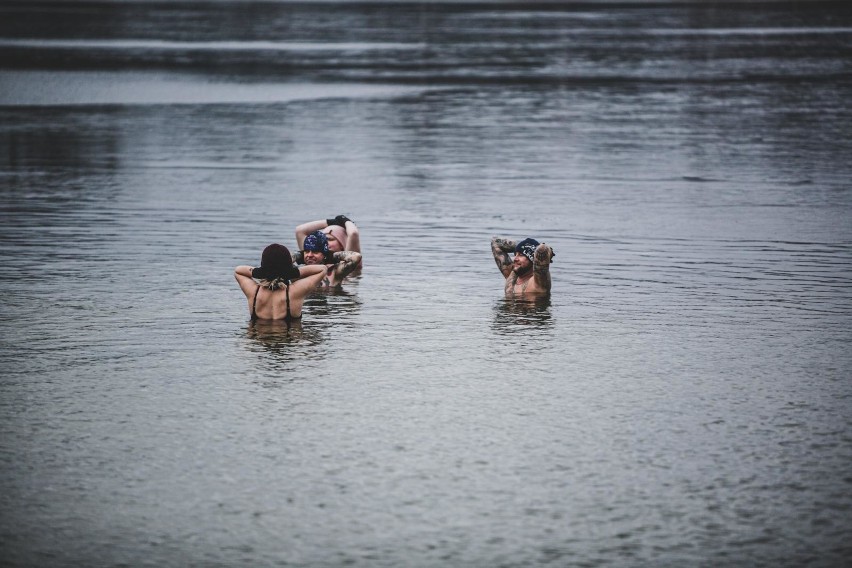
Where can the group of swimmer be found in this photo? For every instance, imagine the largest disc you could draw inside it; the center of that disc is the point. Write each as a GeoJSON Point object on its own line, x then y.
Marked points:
{"type": "Point", "coordinates": [330, 250]}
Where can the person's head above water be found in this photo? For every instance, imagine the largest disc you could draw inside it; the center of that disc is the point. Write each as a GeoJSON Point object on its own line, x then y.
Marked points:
{"type": "Point", "coordinates": [336, 236]}
{"type": "Point", "coordinates": [276, 263]}
{"type": "Point", "coordinates": [316, 249]}
{"type": "Point", "coordinates": [529, 271]}
{"type": "Point", "coordinates": [282, 288]}
{"type": "Point", "coordinates": [524, 255]}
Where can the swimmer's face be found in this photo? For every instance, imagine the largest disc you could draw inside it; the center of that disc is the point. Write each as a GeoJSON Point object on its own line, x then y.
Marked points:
{"type": "Point", "coordinates": [521, 264]}
{"type": "Point", "coordinates": [333, 244]}
{"type": "Point", "coordinates": [314, 257]}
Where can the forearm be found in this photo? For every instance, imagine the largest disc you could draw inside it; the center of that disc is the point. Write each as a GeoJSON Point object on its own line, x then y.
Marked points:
{"type": "Point", "coordinates": [346, 263]}
{"type": "Point", "coordinates": [353, 237]}
{"type": "Point", "coordinates": [311, 269]}
{"type": "Point", "coordinates": [501, 255]}
{"type": "Point", "coordinates": [541, 274]}
{"type": "Point", "coordinates": [243, 270]}
{"type": "Point", "coordinates": [541, 265]}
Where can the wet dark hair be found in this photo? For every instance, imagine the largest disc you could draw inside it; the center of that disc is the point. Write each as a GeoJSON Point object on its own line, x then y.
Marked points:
{"type": "Point", "coordinates": [276, 263]}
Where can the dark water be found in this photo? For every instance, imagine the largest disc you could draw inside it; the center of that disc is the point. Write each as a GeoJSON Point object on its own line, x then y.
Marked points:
{"type": "Point", "coordinates": [683, 398]}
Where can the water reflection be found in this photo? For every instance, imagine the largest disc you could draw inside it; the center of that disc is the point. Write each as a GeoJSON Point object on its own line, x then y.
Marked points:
{"type": "Point", "coordinates": [297, 342]}
{"type": "Point", "coordinates": [331, 302]}
{"type": "Point", "coordinates": [286, 341]}
{"type": "Point", "coordinates": [513, 315]}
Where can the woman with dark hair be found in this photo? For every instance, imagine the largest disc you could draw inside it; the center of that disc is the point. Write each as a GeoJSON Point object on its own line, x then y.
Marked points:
{"type": "Point", "coordinates": [282, 288]}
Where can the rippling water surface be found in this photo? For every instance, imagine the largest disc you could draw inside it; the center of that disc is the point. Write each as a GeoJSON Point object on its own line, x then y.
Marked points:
{"type": "Point", "coordinates": [682, 398]}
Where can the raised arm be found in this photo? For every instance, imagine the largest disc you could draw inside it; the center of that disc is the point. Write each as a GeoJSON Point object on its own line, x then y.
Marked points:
{"type": "Point", "coordinates": [243, 275]}
{"type": "Point", "coordinates": [501, 248]}
{"type": "Point", "coordinates": [543, 256]}
{"type": "Point", "coordinates": [353, 236]}
{"type": "Point", "coordinates": [310, 277]}
{"type": "Point", "coordinates": [306, 229]}
{"type": "Point", "coordinates": [345, 263]}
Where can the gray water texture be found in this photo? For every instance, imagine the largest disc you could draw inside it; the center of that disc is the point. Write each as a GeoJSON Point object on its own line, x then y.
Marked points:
{"type": "Point", "coordinates": [681, 399]}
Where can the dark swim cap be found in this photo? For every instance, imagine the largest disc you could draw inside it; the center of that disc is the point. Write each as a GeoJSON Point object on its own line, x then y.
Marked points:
{"type": "Point", "coordinates": [527, 248]}
{"type": "Point", "coordinates": [316, 242]}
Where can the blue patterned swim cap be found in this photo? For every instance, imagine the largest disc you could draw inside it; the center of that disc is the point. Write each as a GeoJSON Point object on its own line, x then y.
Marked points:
{"type": "Point", "coordinates": [316, 242]}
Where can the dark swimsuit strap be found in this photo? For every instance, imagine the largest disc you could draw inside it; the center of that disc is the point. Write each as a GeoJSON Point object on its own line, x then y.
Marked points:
{"type": "Point", "coordinates": [286, 292]}
{"type": "Point", "coordinates": [254, 303]}
{"type": "Point", "coordinates": [289, 316]}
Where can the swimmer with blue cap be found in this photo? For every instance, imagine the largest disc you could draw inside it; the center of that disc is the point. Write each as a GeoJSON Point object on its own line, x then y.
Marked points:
{"type": "Point", "coordinates": [315, 249]}
{"type": "Point", "coordinates": [529, 271]}
{"type": "Point", "coordinates": [333, 242]}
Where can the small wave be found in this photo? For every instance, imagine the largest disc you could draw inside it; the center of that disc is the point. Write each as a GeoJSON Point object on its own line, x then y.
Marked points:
{"type": "Point", "coordinates": [699, 179]}
{"type": "Point", "coordinates": [746, 31]}
{"type": "Point", "coordinates": [179, 165]}
{"type": "Point", "coordinates": [162, 45]}
{"type": "Point", "coordinates": [121, 88]}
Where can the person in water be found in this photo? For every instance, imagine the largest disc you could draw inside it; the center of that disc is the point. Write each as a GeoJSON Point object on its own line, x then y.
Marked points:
{"type": "Point", "coordinates": [339, 265]}
{"type": "Point", "coordinates": [282, 288]}
{"type": "Point", "coordinates": [342, 233]}
{"type": "Point", "coordinates": [529, 271]}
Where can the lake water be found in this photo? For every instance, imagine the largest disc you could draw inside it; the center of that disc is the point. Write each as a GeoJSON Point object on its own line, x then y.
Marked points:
{"type": "Point", "coordinates": [682, 399]}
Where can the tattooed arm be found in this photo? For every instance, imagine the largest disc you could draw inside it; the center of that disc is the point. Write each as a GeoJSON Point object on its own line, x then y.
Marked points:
{"type": "Point", "coordinates": [541, 266]}
{"type": "Point", "coordinates": [501, 248]}
{"type": "Point", "coordinates": [345, 262]}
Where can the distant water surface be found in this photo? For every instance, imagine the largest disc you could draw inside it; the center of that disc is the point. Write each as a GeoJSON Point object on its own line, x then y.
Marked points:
{"type": "Point", "coordinates": [682, 399]}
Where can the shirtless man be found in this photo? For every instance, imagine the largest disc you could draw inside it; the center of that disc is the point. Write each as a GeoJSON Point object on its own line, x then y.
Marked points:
{"type": "Point", "coordinates": [339, 265]}
{"type": "Point", "coordinates": [529, 271]}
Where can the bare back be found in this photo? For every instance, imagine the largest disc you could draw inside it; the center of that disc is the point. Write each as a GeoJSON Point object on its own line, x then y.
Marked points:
{"type": "Point", "coordinates": [274, 304]}
{"type": "Point", "coordinates": [267, 304]}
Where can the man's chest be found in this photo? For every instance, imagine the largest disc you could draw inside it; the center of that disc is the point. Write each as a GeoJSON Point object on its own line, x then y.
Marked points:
{"type": "Point", "coordinates": [516, 285]}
